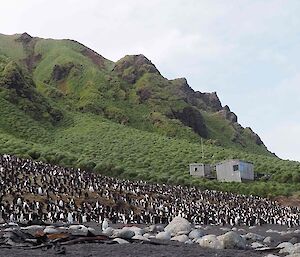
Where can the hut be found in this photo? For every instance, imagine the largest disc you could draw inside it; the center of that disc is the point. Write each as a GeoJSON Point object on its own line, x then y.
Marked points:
{"type": "Point", "coordinates": [200, 170]}
{"type": "Point", "coordinates": [235, 171]}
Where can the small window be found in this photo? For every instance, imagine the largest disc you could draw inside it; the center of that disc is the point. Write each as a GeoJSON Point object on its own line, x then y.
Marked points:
{"type": "Point", "coordinates": [195, 169]}
{"type": "Point", "coordinates": [235, 167]}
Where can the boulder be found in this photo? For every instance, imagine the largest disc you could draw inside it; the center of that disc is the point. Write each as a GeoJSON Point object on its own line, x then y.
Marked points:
{"type": "Point", "coordinates": [78, 230]}
{"type": "Point", "coordinates": [32, 230]}
{"type": "Point", "coordinates": [257, 245]}
{"type": "Point", "coordinates": [196, 233]}
{"type": "Point", "coordinates": [210, 241]}
{"type": "Point", "coordinates": [189, 242]}
{"type": "Point", "coordinates": [136, 230]}
{"type": "Point", "coordinates": [63, 229]}
{"type": "Point", "coordinates": [180, 238]}
{"type": "Point", "coordinates": [163, 235]}
{"type": "Point", "coordinates": [272, 231]}
{"type": "Point", "coordinates": [284, 245]}
{"type": "Point", "coordinates": [268, 240]}
{"type": "Point", "coordinates": [225, 229]}
{"type": "Point", "coordinates": [254, 237]}
{"type": "Point", "coordinates": [2, 221]}
{"type": "Point", "coordinates": [140, 237]}
{"type": "Point", "coordinates": [287, 247]}
{"type": "Point", "coordinates": [123, 233]}
{"type": "Point", "coordinates": [120, 241]}
{"type": "Point", "coordinates": [51, 230]}
{"type": "Point", "coordinates": [178, 224]}
{"type": "Point", "coordinates": [108, 231]}
{"type": "Point", "coordinates": [295, 249]}
{"type": "Point", "coordinates": [149, 235]}
{"type": "Point", "coordinates": [232, 240]}
{"type": "Point", "coordinates": [293, 240]}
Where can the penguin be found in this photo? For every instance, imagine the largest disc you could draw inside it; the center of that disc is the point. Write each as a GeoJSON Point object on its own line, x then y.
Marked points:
{"type": "Point", "coordinates": [105, 224]}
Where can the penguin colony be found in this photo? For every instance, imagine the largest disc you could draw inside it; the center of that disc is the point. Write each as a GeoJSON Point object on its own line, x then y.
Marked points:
{"type": "Point", "coordinates": [32, 192]}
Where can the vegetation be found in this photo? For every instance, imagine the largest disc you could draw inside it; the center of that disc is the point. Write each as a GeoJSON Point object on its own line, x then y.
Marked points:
{"type": "Point", "coordinates": [73, 107]}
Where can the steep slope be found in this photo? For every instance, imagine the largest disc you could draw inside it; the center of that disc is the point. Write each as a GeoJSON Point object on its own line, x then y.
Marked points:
{"type": "Point", "coordinates": [63, 103]}
{"type": "Point", "coordinates": [131, 91]}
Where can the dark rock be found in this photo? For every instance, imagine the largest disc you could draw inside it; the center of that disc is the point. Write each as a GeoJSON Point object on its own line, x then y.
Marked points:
{"type": "Point", "coordinates": [144, 94]}
{"type": "Point", "coordinates": [25, 38]}
{"type": "Point", "coordinates": [132, 67]}
{"type": "Point", "coordinates": [96, 58]}
{"type": "Point", "coordinates": [211, 99]}
{"type": "Point", "coordinates": [191, 117]}
{"type": "Point", "coordinates": [61, 72]}
{"type": "Point", "coordinates": [227, 114]}
{"type": "Point", "coordinates": [204, 101]}
{"type": "Point", "coordinates": [254, 136]}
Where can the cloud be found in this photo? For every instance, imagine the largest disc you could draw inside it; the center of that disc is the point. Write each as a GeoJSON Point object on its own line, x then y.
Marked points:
{"type": "Point", "coordinates": [284, 139]}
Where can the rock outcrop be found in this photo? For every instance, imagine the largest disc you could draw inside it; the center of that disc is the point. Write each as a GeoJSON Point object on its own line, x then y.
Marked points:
{"type": "Point", "coordinates": [131, 67]}
{"type": "Point", "coordinates": [192, 118]}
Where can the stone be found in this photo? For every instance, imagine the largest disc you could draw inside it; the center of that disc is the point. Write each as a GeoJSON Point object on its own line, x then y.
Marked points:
{"type": "Point", "coordinates": [196, 233]}
{"type": "Point", "coordinates": [272, 231]}
{"type": "Point", "coordinates": [268, 240]}
{"type": "Point", "coordinates": [271, 255]}
{"type": "Point", "coordinates": [182, 233]}
{"type": "Point", "coordinates": [293, 240]}
{"type": "Point", "coordinates": [293, 255]}
{"type": "Point", "coordinates": [149, 235]}
{"type": "Point", "coordinates": [225, 229]}
{"type": "Point", "coordinates": [140, 237]}
{"type": "Point", "coordinates": [189, 242]}
{"type": "Point", "coordinates": [295, 249]}
{"type": "Point", "coordinates": [180, 238]}
{"type": "Point", "coordinates": [257, 245]}
{"type": "Point", "coordinates": [108, 231]}
{"type": "Point", "coordinates": [210, 241]}
{"type": "Point", "coordinates": [33, 229]}
{"type": "Point", "coordinates": [2, 221]}
{"type": "Point", "coordinates": [287, 247]}
{"type": "Point", "coordinates": [284, 245]}
{"type": "Point", "coordinates": [151, 228]}
{"type": "Point", "coordinates": [50, 230]}
{"type": "Point", "coordinates": [254, 237]}
{"type": "Point", "coordinates": [120, 241]}
{"type": "Point", "coordinates": [78, 230]}
{"type": "Point", "coordinates": [163, 235]}
{"type": "Point", "coordinates": [123, 233]}
{"type": "Point", "coordinates": [178, 224]}
{"type": "Point", "coordinates": [232, 240]}
{"type": "Point", "coordinates": [136, 230]}
{"type": "Point", "coordinates": [63, 229]}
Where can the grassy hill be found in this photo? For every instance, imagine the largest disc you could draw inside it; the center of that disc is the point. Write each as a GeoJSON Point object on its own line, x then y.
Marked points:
{"type": "Point", "coordinates": [63, 103]}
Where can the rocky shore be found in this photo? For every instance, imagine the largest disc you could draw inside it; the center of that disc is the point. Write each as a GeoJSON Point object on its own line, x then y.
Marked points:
{"type": "Point", "coordinates": [178, 238]}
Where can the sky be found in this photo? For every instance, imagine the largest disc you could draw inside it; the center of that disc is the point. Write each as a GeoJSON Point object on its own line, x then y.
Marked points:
{"type": "Point", "coordinates": [248, 51]}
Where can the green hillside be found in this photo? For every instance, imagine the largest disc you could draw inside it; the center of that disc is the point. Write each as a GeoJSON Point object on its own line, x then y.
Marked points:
{"type": "Point", "coordinates": [63, 103]}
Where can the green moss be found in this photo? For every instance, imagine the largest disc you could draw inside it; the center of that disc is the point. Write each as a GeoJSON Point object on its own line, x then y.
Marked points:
{"type": "Point", "coordinates": [117, 128]}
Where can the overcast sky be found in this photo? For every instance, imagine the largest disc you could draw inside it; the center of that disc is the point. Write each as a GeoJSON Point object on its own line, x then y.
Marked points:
{"type": "Point", "coordinates": [245, 50]}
